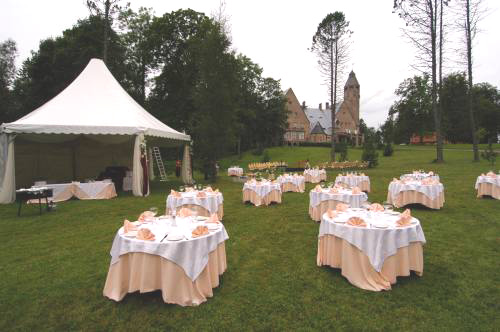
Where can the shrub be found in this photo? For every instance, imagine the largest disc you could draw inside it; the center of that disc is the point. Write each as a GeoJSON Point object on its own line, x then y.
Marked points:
{"type": "Point", "coordinates": [489, 154]}
{"type": "Point", "coordinates": [342, 148]}
{"type": "Point", "coordinates": [388, 150]}
{"type": "Point", "coordinates": [370, 155]}
{"type": "Point", "coordinates": [265, 157]}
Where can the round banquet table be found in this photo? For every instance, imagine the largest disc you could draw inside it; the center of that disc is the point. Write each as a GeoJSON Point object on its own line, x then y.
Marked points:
{"type": "Point", "coordinates": [295, 183]}
{"type": "Point", "coordinates": [235, 171]}
{"type": "Point", "coordinates": [420, 176]}
{"type": "Point", "coordinates": [185, 270]}
{"type": "Point", "coordinates": [360, 181]}
{"type": "Point", "coordinates": [370, 257]}
{"type": "Point", "coordinates": [261, 192]}
{"type": "Point", "coordinates": [314, 175]}
{"type": "Point", "coordinates": [401, 193]}
{"type": "Point", "coordinates": [488, 186]}
{"type": "Point", "coordinates": [205, 206]}
{"type": "Point", "coordinates": [321, 201]}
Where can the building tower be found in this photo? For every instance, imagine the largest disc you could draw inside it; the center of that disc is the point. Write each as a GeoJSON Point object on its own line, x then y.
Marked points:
{"type": "Point", "coordinates": [351, 97]}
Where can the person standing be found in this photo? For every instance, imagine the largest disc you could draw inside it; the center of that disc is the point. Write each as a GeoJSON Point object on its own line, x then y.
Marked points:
{"type": "Point", "coordinates": [178, 165]}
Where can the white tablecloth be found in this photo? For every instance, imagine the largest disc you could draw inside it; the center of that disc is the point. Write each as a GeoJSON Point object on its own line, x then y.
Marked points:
{"type": "Point", "coordinates": [296, 180]}
{"type": "Point", "coordinates": [190, 254]}
{"type": "Point", "coordinates": [211, 202]}
{"type": "Point", "coordinates": [376, 243]}
{"type": "Point", "coordinates": [420, 176]}
{"type": "Point", "coordinates": [344, 195]}
{"type": "Point", "coordinates": [352, 181]}
{"type": "Point", "coordinates": [313, 172]}
{"type": "Point", "coordinates": [127, 183]}
{"type": "Point", "coordinates": [487, 179]}
{"type": "Point", "coordinates": [238, 171]}
{"type": "Point", "coordinates": [262, 188]}
{"type": "Point", "coordinates": [432, 191]}
{"type": "Point", "coordinates": [92, 189]}
{"type": "Point", "coordinates": [64, 191]}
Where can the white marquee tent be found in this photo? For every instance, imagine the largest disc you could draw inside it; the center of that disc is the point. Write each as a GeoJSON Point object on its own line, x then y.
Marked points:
{"type": "Point", "coordinates": [91, 124]}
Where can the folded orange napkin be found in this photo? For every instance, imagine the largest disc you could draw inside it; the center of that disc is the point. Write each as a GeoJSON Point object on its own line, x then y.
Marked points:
{"type": "Point", "coordinates": [334, 190]}
{"type": "Point", "coordinates": [199, 231]}
{"type": "Point", "coordinates": [184, 212]}
{"type": "Point", "coordinates": [482, 174]}
{"type": "Point", "coordinates": [362, 174]}
{"type": "Point", "coordinates": [189, 189]}
{"type": "Point", "coordinates": [376, 207]}
{"type": "Point", "coordinates": [356, 221]}
{"type": "Point", "coordinates": [356, 191]}
{"type": "Point", "coordinates": [331, 213]}
{"type": "Point", "coordinates": [491, 174]}
{"type": "Point", "coordinates": [145, 234]}
{"type": "Point", "coordinates": [431, 173]}
{"type": "Point", "coordinates": [341, 207]}
{"type": "Point", "coordinates": [128, 226]}
{"type": "Point", "coordinates": [213, 219]}
{"type": "Point", "coordinates": [209, 189]}
{"type": "Point", "coordinates": [318, 188]}
{"type": "Point", "coordinates": [145, 216]}
{"type": "Point", "coordinates": [404, 219]}
{"type": "Point", "coordinates": [201, 194]}
{"type": "Point", "coordinates": [216, 190]}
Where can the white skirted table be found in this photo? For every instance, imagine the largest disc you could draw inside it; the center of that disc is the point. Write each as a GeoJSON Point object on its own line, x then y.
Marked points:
{"type": "Point", "coordinates": [322, 200]}
{"type": "Point", "coordinates": [361, 181]}
{"type": "Point", "coordinates": [261, 192]}
{"type": "Point", "coordinates": [403, 192]}
{"type": "Point", "coordinates": [183, 267]}
{"type": "Point", "coordinates": [314, 175]}
{"type": "Point", "coordinates": [488, 185]}
{"type": "Point", "coordinates": [235, 171]}
{"type": "Point", "coordinates": [91, 190]}
{"type": "Point", "coordinates": [371, 257]}
{"type": "Point", "coordinates": [204, 202]}
{"type": "Point", "coordinates": [295, 183]}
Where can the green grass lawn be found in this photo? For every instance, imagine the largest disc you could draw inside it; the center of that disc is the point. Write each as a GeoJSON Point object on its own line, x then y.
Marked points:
{"type": "Point", "coordinates": [53, 267]}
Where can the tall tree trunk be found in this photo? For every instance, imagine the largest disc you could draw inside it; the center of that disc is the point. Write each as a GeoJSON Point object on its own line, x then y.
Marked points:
{"type": "Point", "coordinates": [440, 105]}
{"type": "Point", "coordinates": [239, 147]}
{"type": "Point", "coordinates": [333, 94]}
{"type": "Point", "coordinates": [435, 110]}
{"type": "Point", "coordinates": [468, 32]}
{"type": "Point", "coordinates": [107, 6]}
{"type": "Point", "coordinates": [143, 82]}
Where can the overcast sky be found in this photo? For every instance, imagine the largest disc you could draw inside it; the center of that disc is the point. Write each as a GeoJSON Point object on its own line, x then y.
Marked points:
{"type": "Point", "coordinates": [277, 34]}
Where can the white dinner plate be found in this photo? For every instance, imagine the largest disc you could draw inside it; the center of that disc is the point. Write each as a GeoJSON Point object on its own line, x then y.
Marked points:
{"type": "Point", "coordinates": [339, 221]}
{"type": "Point", "coordinates": [212, 226]}
{"type": "Point", "coordinates": [201, 218]}
{"type": "Point", "coordinates": [130, 234]}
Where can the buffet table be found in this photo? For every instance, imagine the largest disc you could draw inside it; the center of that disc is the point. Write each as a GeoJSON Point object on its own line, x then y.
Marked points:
{"type": "Point", "coordinates": [294, 183]}
{"type": "Point", "coordinates": [427, 193]}
{"type": "Point", "coordinates": [204, 202]}
{"type": "Point", "coordinates": [488, 185]}
{"type": "Point", "coordinates": [184, 266]}
{"type": "Point", "coordinates": [322, 199]}
{"type": "Point", "coordinates": [371, 255]}
{"type": "Point", "coordinates": [235, 171]}
{"type": "Point", "coordinates": [261, 192]}
{"type": "Point", "coordinates": [91, 190]}
{"type": "Point", "coordinates": [353, 180]}
{"type": "Point", "coordinates": [314, 175]}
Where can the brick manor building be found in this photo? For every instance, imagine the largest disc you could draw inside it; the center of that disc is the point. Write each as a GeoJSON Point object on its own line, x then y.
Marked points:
{"type": "Point", "coordinates": [307, 124]}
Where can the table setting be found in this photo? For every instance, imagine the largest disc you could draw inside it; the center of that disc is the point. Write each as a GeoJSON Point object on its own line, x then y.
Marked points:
{"type": "Point", "coordinates": [292, 182]}
{"type": "Point", "coordinates": [322, 198]}
{"type": "Point", "coordinates": [182, 254]}
{"type": "Point", "coordinates": [488, 185]}
{"type": "Point", "coordinates": [261, 192]}
{"type": "Point", "coordinates": [204, 199]}
{"type": "Point", "coordinates": [372, 245]}
{"type": "Point", "coordinates": [428, 192]}
{"type": "Point", "coordinates": [315, 175]}
{"type": "Point", "coordinates": [420, 175]}
{"type": "Point", "coordinates": [354, 179]}
{"type": "Point", "coordinates": [235, 171]}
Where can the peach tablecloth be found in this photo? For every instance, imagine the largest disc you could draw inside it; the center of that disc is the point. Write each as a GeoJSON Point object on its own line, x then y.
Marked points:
{"type": "Point", "coordinates": [314, 175]}
{"type": "Point", "coordinates": [488, 189]}
{"type": "Point", "coordinates": [355, 265]}
{"type": "Point", "coordinates": [211, 203]}
{"type": "Point", "coordinates": [92, 190]}
{"type": "Point", "coordinates": [143, 272]}
{"type": "Point", "coordinates": [274, 196]}
{"type": "Point", "coordinates": [292, 183]}
{"type": "Point", "coordinates": [412, 197]}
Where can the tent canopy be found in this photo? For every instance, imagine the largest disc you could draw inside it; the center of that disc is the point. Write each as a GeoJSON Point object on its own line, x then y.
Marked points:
{"type": "Point", "coordinates": [93, 104]}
